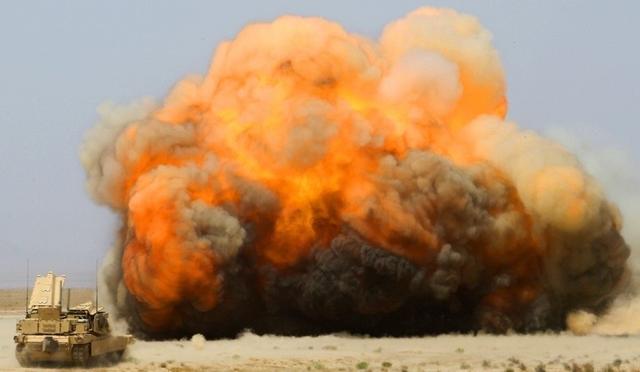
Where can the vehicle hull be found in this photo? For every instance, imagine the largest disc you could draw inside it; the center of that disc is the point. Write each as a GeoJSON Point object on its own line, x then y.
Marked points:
{"type": "Point", "coordinates": [34, 349]}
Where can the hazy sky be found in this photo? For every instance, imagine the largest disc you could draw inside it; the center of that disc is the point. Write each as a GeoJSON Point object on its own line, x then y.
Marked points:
{"type": "Point", "coordinates": [571, 65]}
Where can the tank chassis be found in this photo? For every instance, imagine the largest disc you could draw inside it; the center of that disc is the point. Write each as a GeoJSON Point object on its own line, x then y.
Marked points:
{"type": "Point", "coordinates": [78, 335]}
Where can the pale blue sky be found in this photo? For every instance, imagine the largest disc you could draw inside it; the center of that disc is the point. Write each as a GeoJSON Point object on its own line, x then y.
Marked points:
{"type": "Point", "coordinates": [571, 64]}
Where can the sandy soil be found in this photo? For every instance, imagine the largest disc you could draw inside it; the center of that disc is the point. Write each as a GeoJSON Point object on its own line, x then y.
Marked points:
{"type": "Point", "coordinates": [543, 352]}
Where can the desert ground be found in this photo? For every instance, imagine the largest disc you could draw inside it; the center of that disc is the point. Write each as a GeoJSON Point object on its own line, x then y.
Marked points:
{"type": "Point", "coordinates": [540, 352]}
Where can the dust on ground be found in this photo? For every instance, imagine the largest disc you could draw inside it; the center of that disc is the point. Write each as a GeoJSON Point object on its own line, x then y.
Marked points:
{"type": "Point", "coordinates": [540, 352]}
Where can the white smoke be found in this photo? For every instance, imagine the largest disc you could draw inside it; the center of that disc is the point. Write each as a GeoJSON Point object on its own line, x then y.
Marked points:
{"type": "Point", "coordinates": [613, 167]}
{"type": "Point", "coordinates": [423, 79]}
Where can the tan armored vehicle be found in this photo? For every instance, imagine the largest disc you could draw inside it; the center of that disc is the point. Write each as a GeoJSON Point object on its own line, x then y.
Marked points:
{"type": "Point", "coordinates": [77, 335]}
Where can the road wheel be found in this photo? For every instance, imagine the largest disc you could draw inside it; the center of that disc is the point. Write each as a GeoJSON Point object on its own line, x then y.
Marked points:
{"type": "Point", "coordinates": [80, 355]}
{"type": "Point", "coordinates": [22, 356]}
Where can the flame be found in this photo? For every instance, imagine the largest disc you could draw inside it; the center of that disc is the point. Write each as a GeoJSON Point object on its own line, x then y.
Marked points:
{"type": "Point", "coordinates": [301, 130]}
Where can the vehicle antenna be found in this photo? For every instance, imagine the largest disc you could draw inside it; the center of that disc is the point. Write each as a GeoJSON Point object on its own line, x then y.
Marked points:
{"type": "Point", "coordinates": [26, 292]}
{"type": "Point", "coordinates": [96, 286]}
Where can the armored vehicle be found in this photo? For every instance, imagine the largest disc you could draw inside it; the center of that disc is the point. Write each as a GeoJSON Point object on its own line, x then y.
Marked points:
{"type": "Point", "coordinates": [75, 335]}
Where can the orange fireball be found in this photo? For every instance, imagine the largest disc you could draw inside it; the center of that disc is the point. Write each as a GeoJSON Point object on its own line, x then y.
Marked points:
{"type": "Point", "coordinates": [370, 178]}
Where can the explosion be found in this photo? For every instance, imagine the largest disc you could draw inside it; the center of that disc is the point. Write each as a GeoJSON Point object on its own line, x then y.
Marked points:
{"type": "Point", "coordinates": [316, 181]}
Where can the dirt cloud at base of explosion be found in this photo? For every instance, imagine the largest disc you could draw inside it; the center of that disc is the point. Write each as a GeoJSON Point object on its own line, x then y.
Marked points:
{"type": "Point", "coordinates": [316, 181]}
